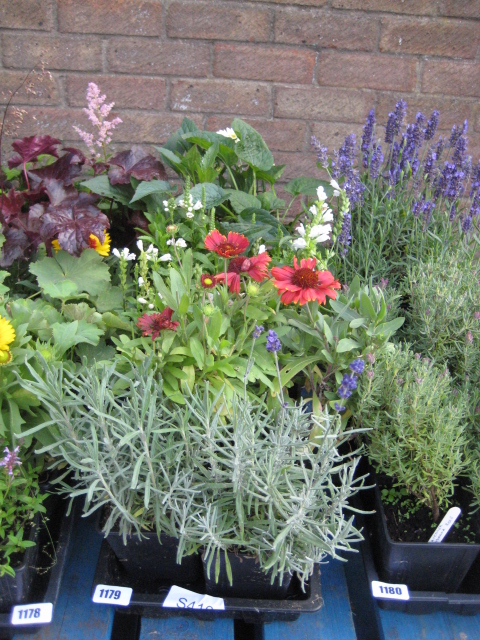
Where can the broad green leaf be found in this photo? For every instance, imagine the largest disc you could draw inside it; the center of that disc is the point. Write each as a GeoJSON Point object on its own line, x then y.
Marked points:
{"type": "Point", "coordinates": [110, 299]}
{"type": "Point", "coordinates": [214, 195]}
{"type": "Point", "coordinates": [241, 200]}
{"type": "Point", "coordinates": [65, 275]}
{"type": "Point", "coordinates": [387, 328]}
{"type": "Point", "coordinates": [163, 290]}
{"type": "Point", "coordinates": [347, 344]}
{"type": "Point", "coordinates": [198, 351]}
{"type": "Point", "coordinates": [307, 186]}
{"type": "Point", "coordinates": [366, 307]}
{"type": "Point", "coordinates": [355, 324]}
{"type": "Point", "coordinates": [147, 188]}
{"type": "Point", "coordinates": [290, 370]}
{"type": "Point", "coordinates": [169, 155]}
{"type": "Point", "coordinates": [101, 185]}
{"type": "Point", "coordinates": [214, 325]}
{"type": "Point", "coordinates": [68, 334]}
{"type": "Point", "coordinates": [183, 306]}
{"type": "Point", "coordinates": [251, 147]}
{"type": "Point", "coordinates": [114, 322]}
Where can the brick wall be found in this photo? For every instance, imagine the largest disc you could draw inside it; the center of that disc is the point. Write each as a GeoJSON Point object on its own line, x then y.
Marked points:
{"type": "Point", "coordinates": [290, 68]}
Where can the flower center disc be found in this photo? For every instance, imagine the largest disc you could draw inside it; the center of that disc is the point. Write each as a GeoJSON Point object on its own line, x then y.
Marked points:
{"type": "Point", "coordinates": [305, 278]}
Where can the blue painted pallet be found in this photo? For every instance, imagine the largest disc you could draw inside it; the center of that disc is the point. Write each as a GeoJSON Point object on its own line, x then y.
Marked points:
{"type": "Point", "coordinates": [185, 629]}
{"type": "Point", "coordinates": [75, 617]}
{"type": "Point", "coordinates": [434, 626]}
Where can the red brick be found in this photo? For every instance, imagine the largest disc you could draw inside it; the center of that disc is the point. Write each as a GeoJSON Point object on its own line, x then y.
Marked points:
{"type": "Point", "coordinates": [128, 17]}
{"type": "Point", "coordinates": [305, 3]}
{"type": "Point", "coordinates": [462, 8]}
{"type": "Point", "coordinates": [256, 62]}
{"type": "Point", "coordinates": [126, 91]}
{"type": "Point", "coordinates": [57, 52]}
{"type": "Point", "coordinates": [332, 134]}
{"type": "Point", "coordinates": [451, 78]}
{"type": "Point", "coordinates": [417, 7]}
{"type": "Point", "coordinates": [323, 29]}
{"type": "Point", "coordinates": [297, 164]}
{"type": "Point", "coordinates": [218, 96]}
{"type": "Point", "coordinates": [26, 14]}
{"type": "Point", "coordinates": [151, 57]}
{"type": "Point", "coordinates": [452, 110]}
{"type": "Point", "coordinates": [362, 70]}
{"type": "Point", "coordinates": [322, 104]}
{"type": "Point", "coordinates": [283, 135]}
{"type": "Point", "coordinates": [38, 90]}
{"type": "Point", "coordinates": [55, 122]}
{"type": "Point", "coordinates": [442, 37]}
{"type": "Point", "coordinates": [212, 21]}
{"type": "Point", "coordinates": [149, 128]}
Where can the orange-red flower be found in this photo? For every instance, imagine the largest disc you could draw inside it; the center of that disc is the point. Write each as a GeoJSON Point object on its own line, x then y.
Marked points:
{"type": "Point", "coordinates": [207, 281]}
{"type": "Point", "coordinates": [227, 247]}
{"type": "Point", "coordinates": [255, 267]}
{"type": "Point", "coordinates": [151, 324]}
{"type": "Point", "coordinates": [301, 284]}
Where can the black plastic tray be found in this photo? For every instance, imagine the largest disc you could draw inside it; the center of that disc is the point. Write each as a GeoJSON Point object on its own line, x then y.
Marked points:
{"type": "Point", "coordinates": [149, 604]}
{"type": "Point", "coordinates": [47, 582]}
{"type": "Point", "coordinates": [422, 602]}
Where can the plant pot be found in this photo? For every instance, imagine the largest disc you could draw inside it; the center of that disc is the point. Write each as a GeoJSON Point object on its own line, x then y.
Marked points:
{"type": "Point", "coordinates": [422, 566]}
{"type": "Point", "coordinates": [155, 562]}
{"type": "Point", "coordinates": [249, 581]}
{"type": "Point", "coordinates": [15, 589]}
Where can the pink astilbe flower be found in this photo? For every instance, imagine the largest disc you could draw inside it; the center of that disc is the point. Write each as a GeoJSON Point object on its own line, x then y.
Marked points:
{"type": "Point", "coordinates": [97, 112]}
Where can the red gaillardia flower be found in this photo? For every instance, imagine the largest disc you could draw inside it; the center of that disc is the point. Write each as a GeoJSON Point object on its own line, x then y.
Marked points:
{"type": "Point", "coordinates": [227, 247]}
{"type": "Point", "coordinates": [255, 267]}
{"type": "Point", "coordinates": [207, 281]}
{"type": "Point", "coordinates": [151, 324]}
{"type": "Point", "coordinates": [301, 284]}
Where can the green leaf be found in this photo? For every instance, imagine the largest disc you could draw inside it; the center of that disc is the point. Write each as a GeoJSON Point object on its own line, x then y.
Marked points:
{"type": "Point", "coordinates": [265, 226]}
{"type": "Point", "coordinates": [147, 188]}
{"type": "Point", "coordinates": [347, 344]}
{"type": "Point", "coordinates": [109, 300]}
{"type": "Point", "coordinates": [387, 328]}
{"type": "Point", "coordinates": [214, 195]}
{"type": "Point", "coordinates": [366, 307]}
{"type": "Point", "coordinates": [290, 370]}
{"type": "Point", "coordinates": [359, 322]}
{"type": "Point", "coordinates": [101, 185]}
{"type": "Point", "coordinates": [198, 351]}
{"type": "Point", "coordinates": [241, 200]}
{"type": "Point", "coordinates": [66, 275]}
{"type": "Point", "coordinates": [68, 334]}
{"type": "Point", "coordinates": [251, 148]}
{"type": "Point", "coordinates": [169, 155]}
{"type": "Point", "coordinates": [307, 186]}
{"type": "Point", "coordinates": [183, 306]}
{"type": "Point", "coordinates": [163, 290]}
{"type": "Point", "coordinates": [214, 325]}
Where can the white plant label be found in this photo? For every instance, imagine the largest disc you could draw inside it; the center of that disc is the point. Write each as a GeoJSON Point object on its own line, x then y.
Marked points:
{"type": "Point", "coordinates": [446, 524]}
{"type": "Point", "coordinates": [41, 613]}
{"type": "Point", "coordinates": [107, 594]}
{"type": "Point", "coordinates": [390, 591]}
{"type": "Point", "coordinates": [178, 598]}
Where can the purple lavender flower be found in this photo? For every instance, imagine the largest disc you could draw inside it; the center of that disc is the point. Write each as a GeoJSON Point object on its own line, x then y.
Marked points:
{"type": "Point", "coordinates": [400, 113]}
{"type": "Point", "coordinates": [427, 208]}
{"type": "Point", "coordinates": [475, 183]}
{"type": "Point", "coordinates": [367, 137]}
{"type": "Point", "coordinates": [258, 331]}
{"type": "Point", "coordinates": [390, 128]}
{"type": "Point", "coordinates": [346, 162]}
{"type": "Point", "coordinates": [344, 237]}
{"type": "Point", "coordinates": [475, 208]}
{"type": "Point", "coordinates": [376, 161]}
{"type": "Point", "coordinates": [466, 224]}
{"type": "Point", "coordinates": [429, 164]}
{"type": "Point", "coordinates": [453, 211]}
{"type": "Point", "coordinates": [357, 366]}
{"type": "Point", "coordinates": [322, 156]}
{"type": "Point", "coordinates": [432, 125]}
{"type": "Point", "coordinates": [344, 392]}
{"type": "Point", "coordinates": [10, 460]}
{"type": "Point", "coordinates": [273, 342]}
{"type": "Point", "coordinates": [338, 407]}
{"type": "Point", "coordinates": [416, 208]}
{"type": "Point", "coordinates": [349, 381]}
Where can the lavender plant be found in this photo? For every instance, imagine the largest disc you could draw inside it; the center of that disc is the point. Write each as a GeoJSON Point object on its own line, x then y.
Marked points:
{"type": "Point", "coordinates": [410, 195]}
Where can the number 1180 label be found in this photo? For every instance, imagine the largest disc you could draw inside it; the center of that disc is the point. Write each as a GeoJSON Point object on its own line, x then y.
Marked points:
{"type": "Point", "coordinates": [391, 591]}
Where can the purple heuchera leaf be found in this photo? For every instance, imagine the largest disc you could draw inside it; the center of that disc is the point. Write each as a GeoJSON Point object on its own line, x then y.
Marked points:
{"type": "Point", "coordinates": [72, 221]}
{"type": "Point", "coordinates": [22, 235]}
{"type": "Point", "coordinates": [30, 148]}
{"type": "Point", "coordinates": [15, 246]}
{"type": "Point", "coordinates": [136, 163]}
{"type": "Point", "coordinates": [11, 204]}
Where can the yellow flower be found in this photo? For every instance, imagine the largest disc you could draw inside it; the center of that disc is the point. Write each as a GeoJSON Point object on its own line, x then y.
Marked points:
{"type": "Point", "coordinates": [102, 249]}
{"type": "Point", "coordinates": [7, 334]}
{"type": "Point", "coordinates": [94, 243]}
{"type": "Point", "coordinates": [5, 357]}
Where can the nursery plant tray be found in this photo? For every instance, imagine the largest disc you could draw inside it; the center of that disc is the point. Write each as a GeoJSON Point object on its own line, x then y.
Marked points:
{"type": "Point", "coordinates": [47, 581]}
{"type": "Point", "coordinates": [149, 603]}
{"type": "Point", "coordinates": [463, 602]}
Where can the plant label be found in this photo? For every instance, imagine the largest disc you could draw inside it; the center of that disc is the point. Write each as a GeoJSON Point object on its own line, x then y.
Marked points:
{"type": "Point", "coordinates": [446, 524]}
{"type": "Point", "coordinates": [41, 613]}
{"type": "Point", "coordinates": [390, 591]}
{"type": "Point", "coordinates": [178, 598]}
{"type": "Point", "coordinates": [107, 594]}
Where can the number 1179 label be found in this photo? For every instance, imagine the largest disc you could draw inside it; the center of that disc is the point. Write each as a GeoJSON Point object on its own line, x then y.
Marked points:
{"type": "Point", "coordinates": [390, 591]}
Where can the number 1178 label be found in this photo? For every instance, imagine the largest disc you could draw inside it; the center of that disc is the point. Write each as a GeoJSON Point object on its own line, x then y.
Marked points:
{"type": "Point", "coordinates": [390, 591]}
{"type": "Point", "coordinates": [40, 613]}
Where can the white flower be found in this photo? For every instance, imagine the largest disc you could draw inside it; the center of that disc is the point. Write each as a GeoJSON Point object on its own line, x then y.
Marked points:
{"type": "Point", "coordinates": [300, 230]}
{"type": "Point", "coordinates": [336, 193]}
{"type": "Point", "coordinates": [166, 257]}
{"type": "Point", "coordinates": [299, 243]}
{"type": "Point", "coordinates": [334, 184]}
{"type": "Point", "coordinates": [328, 215]}
{"type": "Point", "coordinates": [150, 306]}
{"type": "Point", "coordinates": [197, 205]}
{"type": "Point", "coordinates": [152, 250]}
{"type": "Point", "coordinates": [313, 210]}
{"type": "Point", "coordinates": [178, 243]}
{"type": "Point", "coordinates": [322, 238]}
{"type": "Point", "coordinates": [124, 253]}
{"type": "Point", "coordinates": [190, 214]}
{"type": "Point", "coordinates": [140, 281]}
{"type": "Point", "coordinates": [142, 300]}
{"type": "Point", "coordinates": [229, 133]}
{"type": "Point", "coordinates": [140, 245]}
{"type": "Point", "coordinates": [320, 230]}
{"type": "Point", "coordinates": [321, 195]}
{"type": "Point", "coordinates": [165, 205]}
{"type": "Point", "coordinates": [261, 249]}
